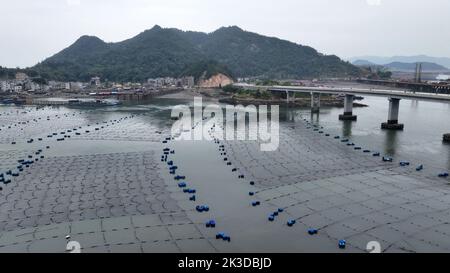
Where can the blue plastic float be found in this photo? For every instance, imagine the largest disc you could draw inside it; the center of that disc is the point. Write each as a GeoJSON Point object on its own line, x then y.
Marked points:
{"type": "Point", "coordinates": [290, 223]}
{"type": "Point", "coordinates": [211, 224]}
{"type": "Point", "coordinates": [256, 203]}
{"type": "Point", "coordinates": [312, 231]}
{"type": "Point", "coordinates": [387, 159]}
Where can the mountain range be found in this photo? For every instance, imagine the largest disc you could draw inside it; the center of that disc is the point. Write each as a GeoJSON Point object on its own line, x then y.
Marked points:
{"type": "Point", "coordinates": [402, 66]}
{"type": "Point", "coordinates": [407, 67]}
{"type": "Point", "coordinates": [377, 60]}
{"type": "Point", "coordinates": [160, 52]}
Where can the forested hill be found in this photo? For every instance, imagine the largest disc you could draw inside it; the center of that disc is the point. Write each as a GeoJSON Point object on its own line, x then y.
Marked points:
{"type": "Point", "coordinates": [162, 52]}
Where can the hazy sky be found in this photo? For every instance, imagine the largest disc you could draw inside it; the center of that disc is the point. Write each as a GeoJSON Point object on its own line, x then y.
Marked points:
{"type": "Point", "coordinates": [32, 30]}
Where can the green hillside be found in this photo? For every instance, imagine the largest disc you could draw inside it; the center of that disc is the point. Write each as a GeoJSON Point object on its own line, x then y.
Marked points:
{"type": "Point", "coordinates": [162, 52]}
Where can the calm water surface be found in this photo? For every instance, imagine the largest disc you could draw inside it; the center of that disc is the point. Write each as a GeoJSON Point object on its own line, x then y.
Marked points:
{"type": "Point", "coordinates": [420, 141]}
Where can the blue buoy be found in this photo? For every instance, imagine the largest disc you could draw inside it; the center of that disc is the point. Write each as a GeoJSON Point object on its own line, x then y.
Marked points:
{"type": "Point", "coordinates": [211, 224]}
{"type": "Point", "coordinates": [312, 231]}
{"type": "Point", "coordinates": [255, 203]}
{"type": "Point", "coordinates": [387, 159]}
{"type": "Point", "coordinates": [342, 244]}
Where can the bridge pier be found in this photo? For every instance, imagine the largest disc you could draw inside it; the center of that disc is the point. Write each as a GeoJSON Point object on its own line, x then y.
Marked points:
{"type": "Point", "coordinates": [392, 122]}
{"type": "Point", "coordinates": [348, 108]}
{"type": "Point", "coordinates": [315, 102]}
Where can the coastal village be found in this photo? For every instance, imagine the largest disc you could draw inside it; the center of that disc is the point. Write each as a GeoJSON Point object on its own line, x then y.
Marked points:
{"type": "Point", "coordinates": [24, 89]}
{"type": "Point", "coordinates": [23, 83]}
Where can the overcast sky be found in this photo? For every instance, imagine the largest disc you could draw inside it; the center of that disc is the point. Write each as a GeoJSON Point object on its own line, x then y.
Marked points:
{"type": "Point", "coordinates": [32, 30]}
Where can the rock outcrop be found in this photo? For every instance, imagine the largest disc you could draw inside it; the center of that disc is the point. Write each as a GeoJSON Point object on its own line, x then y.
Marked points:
{"type": "Point", "coordinates": [216, 81]}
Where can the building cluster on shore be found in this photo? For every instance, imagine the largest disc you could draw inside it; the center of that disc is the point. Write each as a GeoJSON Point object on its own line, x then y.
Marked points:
{"type": "Point", "coordinates": [23, 83]}
{"type": "Point", "coordinates": [187, 82]}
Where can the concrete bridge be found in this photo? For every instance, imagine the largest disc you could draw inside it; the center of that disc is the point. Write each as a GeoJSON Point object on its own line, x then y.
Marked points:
{"type": "Point", "coordinates": [394, 97]}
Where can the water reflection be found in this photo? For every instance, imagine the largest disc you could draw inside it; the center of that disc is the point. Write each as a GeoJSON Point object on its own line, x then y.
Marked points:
{"type": "Point", "coordinates": [391, 142]}
{"type": "Point", "coordinates": [315, 117]}
{"type": "Point", "coordinates": [414, 104]}
{"type": "Point", "coordinates": [347, 128]}
{"type": "Point", "coordinates": [287, 114]}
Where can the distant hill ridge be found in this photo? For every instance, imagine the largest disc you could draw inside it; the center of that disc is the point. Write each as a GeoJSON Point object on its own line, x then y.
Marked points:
{"type": "Point", "coordinates": [426, 66]}
{"type": "Point", "coordinates": [443, 61]}
{"type": "Point", "coordinates": [402, 66]}
{"type": "Point", "coordinates": [161, 52]}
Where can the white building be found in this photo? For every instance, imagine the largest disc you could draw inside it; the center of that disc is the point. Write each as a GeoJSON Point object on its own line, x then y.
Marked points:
{"type": "Point", "coordinates": [188, 81]}
{"type": "Point", "coordinates": [18, 88]}
{"type": "Point", "coordinates": [96, 81]}
{"type": "Point", "coordinates": [5, 86]}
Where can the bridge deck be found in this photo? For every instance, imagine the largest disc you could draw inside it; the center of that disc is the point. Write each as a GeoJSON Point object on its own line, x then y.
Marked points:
{"type": "Point", "coordinates": [356, 91]}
